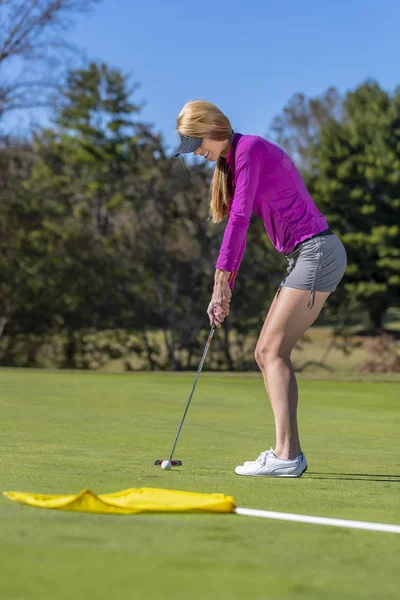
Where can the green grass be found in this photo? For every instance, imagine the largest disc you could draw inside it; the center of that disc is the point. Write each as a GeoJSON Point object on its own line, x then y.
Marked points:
{"type": "Point", "coordinates": [61, 432]}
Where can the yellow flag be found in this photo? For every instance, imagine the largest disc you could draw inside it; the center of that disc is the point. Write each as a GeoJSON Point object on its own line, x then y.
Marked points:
{"type": "Point", "coordinates": [129, 501]}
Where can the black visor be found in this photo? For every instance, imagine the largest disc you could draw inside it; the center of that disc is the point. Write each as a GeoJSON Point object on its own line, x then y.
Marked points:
{"type": "Point", "coordinates": [188, 144]}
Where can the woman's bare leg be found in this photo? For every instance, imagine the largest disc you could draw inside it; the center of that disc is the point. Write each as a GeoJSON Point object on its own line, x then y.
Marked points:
{"type": "Point", "coordinates": [288, 319]}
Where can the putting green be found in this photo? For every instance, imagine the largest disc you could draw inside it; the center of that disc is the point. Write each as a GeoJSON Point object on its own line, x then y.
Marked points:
{"type": "Point", "coordinates": [62, 432]}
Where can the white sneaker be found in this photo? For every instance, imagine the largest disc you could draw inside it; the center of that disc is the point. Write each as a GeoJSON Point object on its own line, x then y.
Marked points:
{"type": "Point", "coordinates": [259, 459]}
{"type": "Point", "coordinates": [271, 466]}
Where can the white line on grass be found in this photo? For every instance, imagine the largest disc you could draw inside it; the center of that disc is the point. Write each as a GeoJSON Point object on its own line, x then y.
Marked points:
{"type": "Point", "coordinates": [267, 514]}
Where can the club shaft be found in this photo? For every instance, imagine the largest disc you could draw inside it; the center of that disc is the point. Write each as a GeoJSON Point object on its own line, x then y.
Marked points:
{"type": "Point", "coordinates": [193, 387]}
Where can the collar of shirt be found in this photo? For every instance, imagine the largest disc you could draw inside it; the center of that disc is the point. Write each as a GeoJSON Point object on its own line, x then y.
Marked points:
{"type": "Point", "coordinates": [230, 157]}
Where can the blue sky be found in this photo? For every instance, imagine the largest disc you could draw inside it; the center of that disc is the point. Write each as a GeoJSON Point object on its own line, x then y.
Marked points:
{"type": "Point", "coordinates": [247, 56]}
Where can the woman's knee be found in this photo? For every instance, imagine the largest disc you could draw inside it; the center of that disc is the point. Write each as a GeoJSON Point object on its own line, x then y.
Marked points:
{"type": "Point", "coordinates": [266, 353]}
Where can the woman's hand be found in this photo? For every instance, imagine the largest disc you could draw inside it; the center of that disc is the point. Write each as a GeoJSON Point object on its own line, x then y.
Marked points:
{"type": "Point", "coordinates": [218, 309]}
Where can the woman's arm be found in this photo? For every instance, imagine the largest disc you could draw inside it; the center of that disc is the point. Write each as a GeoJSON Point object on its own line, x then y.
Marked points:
{"type": "Point", "coordinates": [221, 277]}
{"type": "Point", "coordinates": [249, 160]}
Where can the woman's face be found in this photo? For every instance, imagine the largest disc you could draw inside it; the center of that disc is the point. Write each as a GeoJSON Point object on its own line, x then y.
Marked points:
{"type": "Point", "coordinates": [212, 150]}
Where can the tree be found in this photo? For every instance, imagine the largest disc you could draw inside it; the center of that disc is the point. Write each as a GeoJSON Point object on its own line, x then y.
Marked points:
{"type": "Point", "coordinates": [17, 263]}
{"type": "Point", "coordinates": [94, 145]}
{"type": "Point", "coordinates": [80, 180]}
{"type": "Point", "coordinates": [32, 34]}
{"type": "Point", "coordinates": [349, 152]}
{"type": "Point", "coordinates": [357, 186]}
{"type": "Point", "coordinates": [298, 129]}
{"type": "Point", "coordinates": [177, 250]}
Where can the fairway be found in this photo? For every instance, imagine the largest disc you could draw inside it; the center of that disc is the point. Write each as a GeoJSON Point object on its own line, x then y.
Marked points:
{"type": "Point", "coordinates": [62, 432]}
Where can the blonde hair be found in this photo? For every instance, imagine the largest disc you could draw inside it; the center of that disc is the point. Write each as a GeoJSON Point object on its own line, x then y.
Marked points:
{"type": "Point", "coordinates": [202, 119]}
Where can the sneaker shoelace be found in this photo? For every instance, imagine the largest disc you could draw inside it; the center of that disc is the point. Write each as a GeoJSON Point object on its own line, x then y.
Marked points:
{"type": "Point", "coordinates": [262, 459]}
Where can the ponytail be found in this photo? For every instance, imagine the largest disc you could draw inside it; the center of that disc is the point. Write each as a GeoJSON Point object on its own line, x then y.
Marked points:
{"type": "Point", "coordinates": [219, 193]}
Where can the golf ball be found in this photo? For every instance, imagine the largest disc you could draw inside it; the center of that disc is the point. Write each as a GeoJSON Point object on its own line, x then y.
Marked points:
{"type": "Point", "coordinates": [166, 464]}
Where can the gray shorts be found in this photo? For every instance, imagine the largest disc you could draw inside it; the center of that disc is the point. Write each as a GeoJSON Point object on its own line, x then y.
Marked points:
{"type": "Point", "coordinates": [317, 264]}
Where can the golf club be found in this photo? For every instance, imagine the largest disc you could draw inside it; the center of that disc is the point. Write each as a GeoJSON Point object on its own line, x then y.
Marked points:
{"type": "Point", "coordinates": [177, 463]}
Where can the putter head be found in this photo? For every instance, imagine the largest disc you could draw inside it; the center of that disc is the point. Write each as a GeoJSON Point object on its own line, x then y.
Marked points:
{"type": "Point", "coordinates": [175, 463]}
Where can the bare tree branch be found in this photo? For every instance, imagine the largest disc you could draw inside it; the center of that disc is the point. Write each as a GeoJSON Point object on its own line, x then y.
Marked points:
{"type": "Point", "coordinates": [32, 32]}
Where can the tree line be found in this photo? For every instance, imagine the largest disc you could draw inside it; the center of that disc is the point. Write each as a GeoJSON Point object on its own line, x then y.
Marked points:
{"type": "Point", "coordinates": [102, 231]}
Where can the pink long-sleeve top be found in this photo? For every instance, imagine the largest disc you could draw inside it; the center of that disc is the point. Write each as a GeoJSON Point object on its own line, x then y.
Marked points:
{"type": "Point", "coordinates": [265, 182]}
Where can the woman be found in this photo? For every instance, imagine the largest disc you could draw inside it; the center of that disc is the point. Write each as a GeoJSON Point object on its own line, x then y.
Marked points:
{"type": "Point", "coordinates": [254, 176]}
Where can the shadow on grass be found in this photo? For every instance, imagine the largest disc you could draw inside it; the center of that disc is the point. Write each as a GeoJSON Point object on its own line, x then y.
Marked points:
{"type": "Point", "coordinates": [356, 477]}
